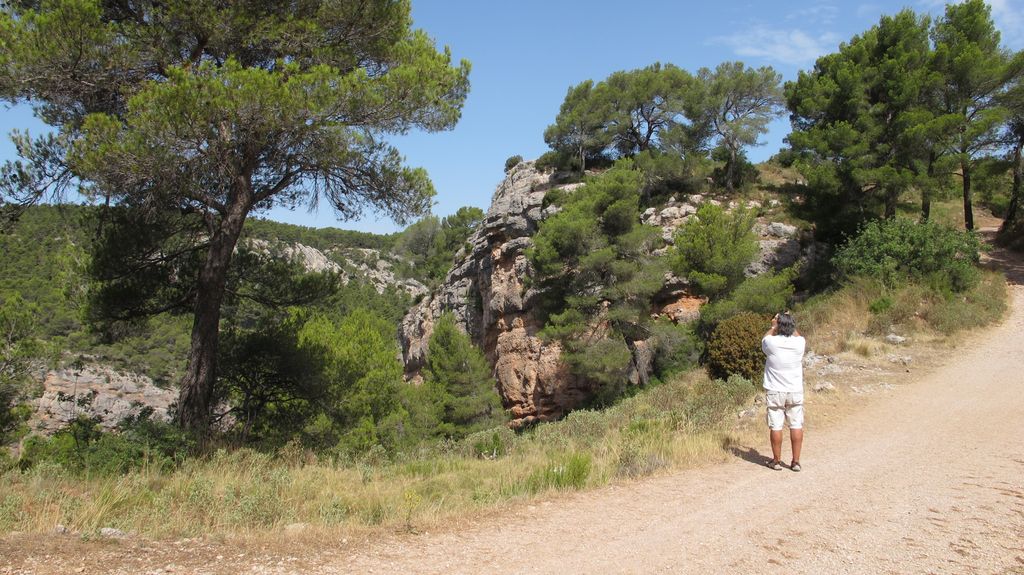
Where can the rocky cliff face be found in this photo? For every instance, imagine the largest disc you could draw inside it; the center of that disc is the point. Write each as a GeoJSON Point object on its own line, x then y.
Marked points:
{"type": "Point", "coordinates": [96, 391]}
{"type": "Point", "coordinates": [487, 293]}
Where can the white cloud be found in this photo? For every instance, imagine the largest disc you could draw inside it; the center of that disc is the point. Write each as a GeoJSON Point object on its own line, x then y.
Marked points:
{"type": "Point", "coordinates": [793, 47]}
{"type": "Point", "coordinates": [820, 14]}
{"type": "Point", "coordinates": [1010, 21]}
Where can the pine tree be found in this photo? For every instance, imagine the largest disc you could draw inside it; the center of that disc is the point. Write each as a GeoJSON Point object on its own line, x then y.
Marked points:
{"type": "Point", "coordinates": [460, 381]}
{"type": "Point", "coordinates": [219, 110]}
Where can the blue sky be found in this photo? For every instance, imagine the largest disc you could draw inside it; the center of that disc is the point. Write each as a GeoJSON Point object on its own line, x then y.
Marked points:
{"type": "Point", "coordinates": [526, 54]}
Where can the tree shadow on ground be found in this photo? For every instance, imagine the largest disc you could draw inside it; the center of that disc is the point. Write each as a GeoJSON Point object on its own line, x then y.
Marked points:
{"type": "Point", "coordinates": [1001, 259]}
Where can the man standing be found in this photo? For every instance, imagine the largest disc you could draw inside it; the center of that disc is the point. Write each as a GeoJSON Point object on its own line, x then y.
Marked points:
{"type": "Point", "coordinates": [784, 347]}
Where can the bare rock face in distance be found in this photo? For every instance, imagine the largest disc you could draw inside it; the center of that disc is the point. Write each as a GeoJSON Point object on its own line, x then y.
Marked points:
{"type": "Point", "coordinates": [96, 390]}
{"type": "Point", "coordinates": [487, 294]}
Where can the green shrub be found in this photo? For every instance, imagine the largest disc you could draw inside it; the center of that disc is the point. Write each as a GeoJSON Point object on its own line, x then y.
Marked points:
{"type": "Point", "coordinates": [512, 162]}
{"type": "Point", "coordinates": [898, 250]}
{"type": "Point", "coordinates": [605, 362]}
{"type": "Point", "coordinates": [735, 347]}
{"type": "Point", "coordinates": [553, 160]}
{"type": "Point", "coordinates": [713, 249]}
{"type": "Point", "coordinates": [763, 294]}
{"type": "Point", "coordinates": [82, 447]}
{"type": "Point", "coordinates": [667, 173]}
{"type": "Point", "coordinates": [567, 472]}
{"type": "Point", "coordinates": [676, 348]}
{"type": "Point", "coordinates": [881, 305]}
{"type": "Point", "coordinates": [709, 401]}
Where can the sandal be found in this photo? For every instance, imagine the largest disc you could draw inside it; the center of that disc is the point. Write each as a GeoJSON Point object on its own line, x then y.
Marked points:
{"type": "Point", "coordinates": [795, 466]}
{"type": "Point", "coordinates": [774, 464]}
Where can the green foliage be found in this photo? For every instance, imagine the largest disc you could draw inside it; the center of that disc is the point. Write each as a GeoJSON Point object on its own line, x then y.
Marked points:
{"type": "Point", "coordinates": [82, 447]}
{"type": "Point", "coordinates": [677, 348]}
{"type": "Point", "coordinates": [880, 305]}
{"type": "Point", "coordinates": [763, 294]}
{"type": "Point", "coordinates": [594, 261]}
{"type": "Point", "coordinates": [735, 346]}
{"type": "Point", "coordinates": [18, 350]}
{"type": "Point", "coordinates": [736, 171]}
{"type": "Point", "coordinates": [430, 244]}
{"type": "Point", "coordinates": [710, 400]}
{"type": "Point", "coordinates": [662, 109]}
{"type": "Point", "coordinates": [975, 72]}
{"type": "Point", "coordinates": [512, 161]}
{"type": "Point", "coordinates": [863, 125]}
{"type": "Point", "coordinates": [359, 405]}
{"type": "Point", "coordinates": [899, 250]}
{"type": "Point", "coordinates": [905, 105]}
{"type": "Point", "coordinates": [605, 362]}
{"type": "Point", "coordinates": [713, 249]}
{"type": "Point", "coordinates": [734, 105]}
{"type": "Point", "coordinates": [171, 116]}
{"type": "Point", "coordinates": [578, 136]}
{"type": "Point", "coordinates": [666, 173]}
{"type": "Point", "coordinates": [42, 260]}
{"type": "Point", "coordinates": [323, 239]}
{"type": "Point", "coordinates": [627, 113]}
{"type": "Point", "coordinates": [459, 378]}
{"type": "Point", "coordinates": [273, 386]}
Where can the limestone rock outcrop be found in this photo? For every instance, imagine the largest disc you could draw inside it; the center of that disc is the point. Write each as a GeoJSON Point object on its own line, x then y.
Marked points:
{"type": "Point", "coordinates": [95, 390]}
{"type": "Point", "coordinates": [369, 264]}
{"type": "Point", "coordinates": [488, 292]}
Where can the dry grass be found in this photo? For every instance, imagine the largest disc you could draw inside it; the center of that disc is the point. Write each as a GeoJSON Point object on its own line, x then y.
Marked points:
{"type": "Point", "coordinates": [830, 321]}
{"type": "Point", "coordinates": [246, 493]}
{"type": "Point", "coordinates": [856, 317]}
{"type": "Point", "coordinates": [863, 346]}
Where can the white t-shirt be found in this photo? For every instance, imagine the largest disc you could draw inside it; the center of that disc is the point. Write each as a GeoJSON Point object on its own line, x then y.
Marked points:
{"type": "Point", "coordinates": [783, 367]}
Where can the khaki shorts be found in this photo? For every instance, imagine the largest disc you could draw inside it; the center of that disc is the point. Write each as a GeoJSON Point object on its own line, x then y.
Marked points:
{"type": "Point", "coordinates": [784, 406]}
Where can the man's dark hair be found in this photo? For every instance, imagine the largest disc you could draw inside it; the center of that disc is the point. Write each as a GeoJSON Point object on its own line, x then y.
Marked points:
{"type": "Point", "coordinates": [785, 325]}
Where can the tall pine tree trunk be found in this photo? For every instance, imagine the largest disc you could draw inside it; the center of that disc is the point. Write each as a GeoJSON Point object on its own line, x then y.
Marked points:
{"type": "Point", "coordinates": [1018, 175]}
{"type": "Point", "coordinates": [200, 376]}
{"type": "Point", "coordinates": [730, 169]}
{"type": "Point", "coordinates": [892, 196]}
{"type": "Point", "coordinates": [926, 190]}
{"type": "Point", "coordinates": [965, 170]}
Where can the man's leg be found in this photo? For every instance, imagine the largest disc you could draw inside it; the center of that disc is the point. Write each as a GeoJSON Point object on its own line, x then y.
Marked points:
{"type": "Point", "coordinates": [776, 439]}
{"type": "Point", "coordinates": [775, 416]}
{"type": "Point", "coordinates": [796, 438]}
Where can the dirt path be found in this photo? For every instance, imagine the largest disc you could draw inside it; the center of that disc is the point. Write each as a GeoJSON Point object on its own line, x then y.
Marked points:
{"type": "Point", "coordinates": [929, 479]}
